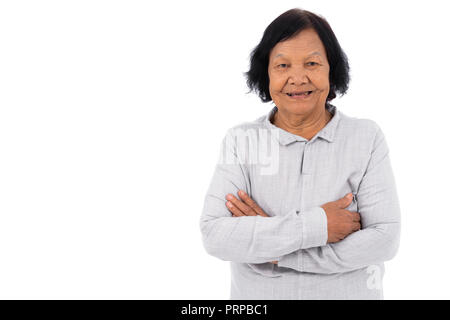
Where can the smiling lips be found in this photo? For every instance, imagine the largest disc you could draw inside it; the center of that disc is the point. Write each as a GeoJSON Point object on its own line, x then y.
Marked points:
{"type": "Point", "coordinates": [299, 94]}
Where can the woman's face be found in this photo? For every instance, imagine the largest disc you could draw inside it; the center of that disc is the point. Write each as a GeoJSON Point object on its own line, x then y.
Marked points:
{"type": "Point", "coordinates": [297, 65]}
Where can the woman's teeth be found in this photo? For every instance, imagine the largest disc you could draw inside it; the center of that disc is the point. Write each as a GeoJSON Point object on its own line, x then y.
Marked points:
{"type": "Point", "coordinates": [307, 93]}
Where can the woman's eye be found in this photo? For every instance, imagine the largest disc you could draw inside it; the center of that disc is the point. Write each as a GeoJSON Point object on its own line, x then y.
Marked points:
{"type": "Point", "coordinates": [314, 63]}
{"type": "Point", "coordinates": [281, 65]}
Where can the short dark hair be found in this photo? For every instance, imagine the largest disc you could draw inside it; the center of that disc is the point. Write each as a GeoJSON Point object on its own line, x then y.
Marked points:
{"type": "Point", "coordinates": [286, 26]}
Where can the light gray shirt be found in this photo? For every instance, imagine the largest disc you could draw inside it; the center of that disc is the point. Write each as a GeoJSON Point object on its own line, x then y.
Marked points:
{"type": "Point", "coordinates": [290, 177]}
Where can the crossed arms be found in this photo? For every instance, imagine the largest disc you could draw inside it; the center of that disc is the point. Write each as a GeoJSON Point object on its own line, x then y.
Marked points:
{"type": "Point", "coordinates": [298, 240]}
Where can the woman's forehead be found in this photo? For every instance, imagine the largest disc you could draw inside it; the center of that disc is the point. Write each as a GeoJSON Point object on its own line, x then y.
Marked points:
{"type": "Point", "coordinates": [306, 42]}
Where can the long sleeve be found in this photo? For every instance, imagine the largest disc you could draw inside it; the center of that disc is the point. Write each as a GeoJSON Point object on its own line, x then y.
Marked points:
{"type": "Point", "coordinates": [379, 237]}
{"type": "Point", "coordinates": [252, 239]}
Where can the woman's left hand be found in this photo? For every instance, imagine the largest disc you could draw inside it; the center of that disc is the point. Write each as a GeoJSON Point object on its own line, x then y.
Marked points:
{"type": "Point", "coordinates": [246, 207]}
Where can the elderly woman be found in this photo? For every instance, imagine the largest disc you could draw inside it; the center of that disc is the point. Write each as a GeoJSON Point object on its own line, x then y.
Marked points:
{"type": "Point", "coordinates": [321, 219]}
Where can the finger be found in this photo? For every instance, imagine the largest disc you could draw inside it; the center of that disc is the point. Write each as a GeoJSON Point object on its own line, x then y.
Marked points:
{"type": "Point", "coordinates": [345, 201]}
{"type": "Point", "coordinates": [234, 210]}
{"type": "Point", "coordinates": [245, 209]}
{"type": "Point", "coordinates": [251, 203]}
{"type": "Point", "coordinates": [356, 226]}
{"type": "Point", "coordinates": [341, 236]}
{"type": "Point", "coordinates": [356, 217]}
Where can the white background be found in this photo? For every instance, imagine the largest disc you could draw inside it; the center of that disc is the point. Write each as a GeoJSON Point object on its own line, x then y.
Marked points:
{"type": "Point", "coordinates": [111, 116]}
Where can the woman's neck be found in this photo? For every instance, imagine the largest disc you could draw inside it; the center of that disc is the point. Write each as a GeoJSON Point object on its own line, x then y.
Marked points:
{"type": "Point", "coordinates": [301, 126]}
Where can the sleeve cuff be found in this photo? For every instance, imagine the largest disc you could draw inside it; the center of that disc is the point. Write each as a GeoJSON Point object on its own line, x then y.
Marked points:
{"type": "Point", "coordinates": [315, 230]}
{"type": "Point", "coordinates": [291, 260]}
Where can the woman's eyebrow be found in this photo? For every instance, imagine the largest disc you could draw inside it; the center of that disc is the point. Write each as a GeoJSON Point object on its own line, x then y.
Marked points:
{"type": "Point", "coordinates": [315, 53]}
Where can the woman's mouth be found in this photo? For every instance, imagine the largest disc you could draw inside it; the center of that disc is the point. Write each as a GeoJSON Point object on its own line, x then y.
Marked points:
{"type": "Point", "coordinates": [299, 95]}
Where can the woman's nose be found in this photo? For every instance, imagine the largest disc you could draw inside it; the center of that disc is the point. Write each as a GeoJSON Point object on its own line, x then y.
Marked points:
{"type": "Point", "coordinates": [298, 75]}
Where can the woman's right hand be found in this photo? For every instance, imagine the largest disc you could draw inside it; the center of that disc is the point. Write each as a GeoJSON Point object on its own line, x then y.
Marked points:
{"type": "Point", "coordinates": [341, 222]}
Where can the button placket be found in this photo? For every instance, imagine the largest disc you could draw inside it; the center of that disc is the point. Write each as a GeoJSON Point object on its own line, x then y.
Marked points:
{"type": "Point", "coordinates": [306, 163]}
{"type": "Point", "coordinates": [305, 173]}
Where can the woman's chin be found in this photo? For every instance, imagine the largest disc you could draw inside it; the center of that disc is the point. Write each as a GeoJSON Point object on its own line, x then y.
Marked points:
{"type": "Point", "coordinates": [299, 105]}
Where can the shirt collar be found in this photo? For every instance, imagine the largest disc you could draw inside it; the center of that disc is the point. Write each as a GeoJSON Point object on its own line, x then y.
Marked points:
{"type": "Point", "coordinates": [327, 133]}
